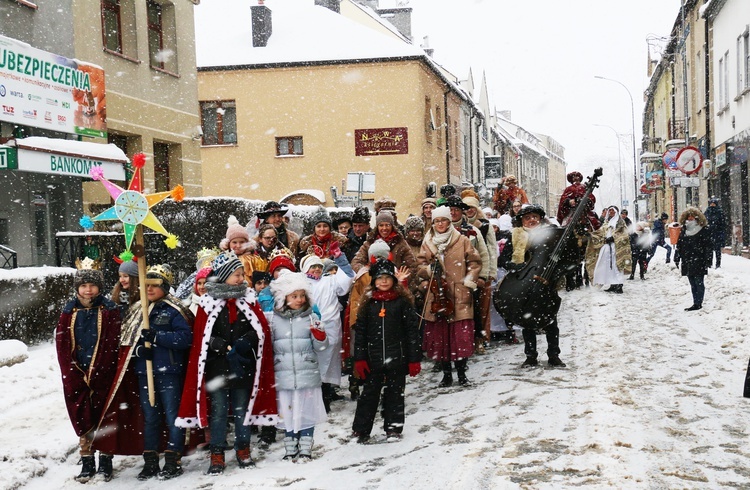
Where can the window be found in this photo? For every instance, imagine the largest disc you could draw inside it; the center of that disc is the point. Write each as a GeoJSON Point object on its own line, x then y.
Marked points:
{"type": "Point", "coordinates": [219, 122]}
{"type": "Point", "coordinates": [162, 46]}
{"type": "Point", "coordinates": [439, 127]}
{"type": "Point", "coordinates": [289, 145]}
{"type": "Point", "coordinates": [118, 28]}
{"type": "Point", "coordinates": [723, 82]}
{"type": "Point", "coordinates": [161, 167]}
{"type": "Point", "coordinates": [744, 65]}
{"type": "Point", "coordinates": [429, 124]}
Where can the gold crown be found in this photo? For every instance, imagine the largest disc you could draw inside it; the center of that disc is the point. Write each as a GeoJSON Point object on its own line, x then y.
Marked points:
{"type": "Point", "coordinates": [205, 257]}
{"type": "Point", "coordinates": [88, 264]}
{"type": "Point", "coordinates": [164, 273]}
{"type": "Point", "coordinates": [280, 252]}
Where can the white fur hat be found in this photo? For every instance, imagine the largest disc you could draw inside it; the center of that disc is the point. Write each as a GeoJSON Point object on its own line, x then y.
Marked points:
{"type": "Point", "coordinates": [441, 212]}
{"type": "Point", "coordinates": [286, 284]}
{"type": "Point", "coordinates": [308, 261]}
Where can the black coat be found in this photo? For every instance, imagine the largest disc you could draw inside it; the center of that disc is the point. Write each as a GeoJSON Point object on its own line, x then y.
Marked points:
{"type": "Point", "coordinates": [716, 225]}
{"type": "Point", "coordinates": [392, 339]}
{"type": "Point", "coordinates": [694, 252]}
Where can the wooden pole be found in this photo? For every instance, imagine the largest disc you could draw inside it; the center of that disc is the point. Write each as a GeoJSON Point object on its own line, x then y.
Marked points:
{"type": "Point", "coordinates": [144, 310]}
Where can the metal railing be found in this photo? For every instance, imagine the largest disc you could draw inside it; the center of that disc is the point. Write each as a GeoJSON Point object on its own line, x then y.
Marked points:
{"type": "Point", "coordinates": [8, 258]}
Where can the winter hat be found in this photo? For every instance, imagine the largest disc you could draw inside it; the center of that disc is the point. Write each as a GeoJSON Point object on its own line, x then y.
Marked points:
{"type": "Point", "coordinates": [382, 267]}
{"type": "Point", "coordinates": [361, 215]}
{"type": "Point", "coordinates": [129, 267]}
{"type": "Point", "coordinates": [321, 216]}
{"type": "Point", "coordinates": [385, 204]}
{"type": "Point", "coordinates": [469, 193]}
{"type": "Point", "coordinates": [235, 230]}
{"type": "Point", "coordinates": [453, 202]}
{"type": "Point", "coordinates": [429, 200]}
{"type": "Point", "coordinates": [413, 223]}
{"type": "Point", "coordinates": [343, 219]}
{"type": "Point", "coordinates": [384, 217]}
{"type": "Point", "coordinates": [441, 212]}
{"type": "Point", "coordinates": [379, 250]}
{"type": "Point", "coordinates": [201, 274]}
{"type": "Point", "coordinates": [270, 208]}
{"type": "Point", "coordinates": [89, 276]}
{"type": "Point", "coordinates": [664, 216]}
{"type": "Point", "coordinates": [575, 175]}
{"type": "Point", "coordinates": [160, 275]}
{"type": "Point", "coordinates": [224, 265]}
{"type": "Point", "coordinates": [487, 211]}
{"type": "Point", "coordinates": [328, 264]}
{"type": "Point", "coordinates": [472, 201]}
{"type": "Point", "coordinates": [260, 276]}
{"type": "Point", "coordinates": [286, 284]}
{"type": "Point", "coordinates": [279, 258]}
{"type": "Point", "coordinates": [308, 261]}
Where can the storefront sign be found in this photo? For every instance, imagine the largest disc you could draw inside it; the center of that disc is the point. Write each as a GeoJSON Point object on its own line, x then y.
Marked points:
{"type": "Point", "coordinates": [61, 164]}
{"type": "Point", "coordinates": [721, 156]}
{"type": "Point", "coordinates": [655, 180]}
{"type": "Point", "coordinates": [8, 158]}
{"type": "Point", "coordinates": [384, 141]}
{"type": "Point", "coordinates": [44, 90]}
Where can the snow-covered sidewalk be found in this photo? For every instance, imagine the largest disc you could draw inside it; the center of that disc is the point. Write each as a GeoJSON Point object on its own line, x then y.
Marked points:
{"type": "Point", "coordinates": [651, 398]}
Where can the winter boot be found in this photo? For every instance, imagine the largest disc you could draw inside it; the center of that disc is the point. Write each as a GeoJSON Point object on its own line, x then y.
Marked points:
{"type": "Point", "coordinates": [305, 448]}
{"type": "Point", "coordinates": [555, 361]}
{"type": "Point", "coordinates": [267, 436]}
{"type": "Point", "coordinates": [447, 375]}
{"type": "Point", "coordinates": [244, 459]}
{"type": "Point", "coordinates": [217, 462]}
{"type": "Point", "coordinates": [172, 465]}
{"type": "Point", "coordinates": [632, 276]}
{"type": "Point", "coordinates": [105, 466]}
{"type": "Point", "coordinates": [88, 469]}
{"type": "Point", "coordinates": [151, 466]}
{"type": "Point", "coordinates": [616, 288]}
{"type": "Point", "coordinates": [291, 448]}
{"type": "Point", "coordinates": [530, 361]}
{"type": "Point", "coordinates": [461, 369]}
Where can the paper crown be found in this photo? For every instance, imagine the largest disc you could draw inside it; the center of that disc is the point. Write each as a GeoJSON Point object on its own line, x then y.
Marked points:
{"type": "Point", "coordinates": [205, 256]}
{"type": "Point", "coordinates": [285, 252]}
{"type": "Point", "coordinates": [163, 271]}
{"type": "Point", "coordinates": [88, 264]}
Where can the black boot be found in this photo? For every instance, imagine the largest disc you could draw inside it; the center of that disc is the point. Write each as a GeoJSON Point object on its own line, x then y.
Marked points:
{"type": "Point", "coordinates": [88, 469]}
{"type": "Point", "coordinates": [530, 361]}
{"type": "Point", "coordinates": [616, 288]}
{"type": "Point", "coordinates": [326, 396]}
{"type": "Point", "coordinates": [172, 465]}
{"type": "Point", "coordinates": [447, 375]}
{"type": "Point", "coordinates": [267, 436]}
{"type": "Point", "coordinates": [555, 361]}
{"type": "Point", "coordinates": [632, 276]}
{"type": "Point", "coordinates": [461, 369]}
{"type": "Point", "coordinates": [105, 466]}
{"type": "Point", "coordinates": [151, 466]}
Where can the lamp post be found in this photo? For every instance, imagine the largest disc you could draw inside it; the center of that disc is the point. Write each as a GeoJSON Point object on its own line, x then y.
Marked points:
{"type": "Point", "coordinates": [619, 158]}
{"type": "Point", "coordinates": [635, 161]}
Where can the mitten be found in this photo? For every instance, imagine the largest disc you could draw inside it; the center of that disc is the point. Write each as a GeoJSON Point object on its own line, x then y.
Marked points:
{"type": "Point", "coordinates": [334, 249]}
{"type": "Point", "coordinates": [217, 344]}
{"type": "Point", "coordinates": [362, 368]}
{"type": "Point", "coordinates": [414, 368]}
{"type": "Point", "coordinates": [144, 353]}
{"type": "Point", "coordinates": [318, 333]}
{"type": "Point", "coordinates": [148, 335]}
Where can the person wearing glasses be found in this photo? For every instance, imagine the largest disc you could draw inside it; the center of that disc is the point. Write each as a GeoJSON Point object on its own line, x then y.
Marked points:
{"type": "Point", "coordinates": [267, 243]}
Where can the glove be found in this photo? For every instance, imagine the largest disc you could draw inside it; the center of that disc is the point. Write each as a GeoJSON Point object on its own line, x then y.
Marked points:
{"type": "Point", "coordinates": [414, 368]}
{"type": "Point", "coordinates": [243, 347]}
{"type": "Point", "coordinates": [362, 368]}
{"type": "Point", "coordinates": [144, 353]}
{"type": "Point", "coordinates": [218, 344]}
{"type": "Point", "coordinates": [318, 333]}
{"type": "Point", "coordinates": [513, 267]}
{"type": "Point", "coordinates": [609, 239]}
{"type": "Point", "coordinates": [235, 364]}
{"type": "Point", "coordinates": [148, 335]}
{"type": "Point", "coordinates": [334, 249]}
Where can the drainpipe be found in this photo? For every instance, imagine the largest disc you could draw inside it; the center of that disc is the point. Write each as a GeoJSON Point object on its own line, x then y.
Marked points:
{"type": "Point", "coordinates": [445, 141]}
{"type": "Point", "coordinates": [707, 95]}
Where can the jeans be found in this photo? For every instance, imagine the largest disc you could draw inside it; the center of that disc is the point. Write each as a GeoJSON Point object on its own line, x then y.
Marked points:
{"type": "Point", "coordinates": [167, 393]}
{"type": "Point", "coordinates": [717, 253]}
{"type": "Point", "coordinates": [220, 400]}
{"type": "Point", "coordinates": [667, 246]}
{"type": "Point", "coordinates": [304, 432]}
{"type": "Point", "coordinates": [697, 288]}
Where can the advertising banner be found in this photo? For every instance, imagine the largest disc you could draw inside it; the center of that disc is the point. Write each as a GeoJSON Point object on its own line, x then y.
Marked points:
{"type": "Point", "coordinates": [383, 141]}
{"type": "Point", "coordinates": [655, 180]}
{"type": "Point", "coordinates": [44, 90]}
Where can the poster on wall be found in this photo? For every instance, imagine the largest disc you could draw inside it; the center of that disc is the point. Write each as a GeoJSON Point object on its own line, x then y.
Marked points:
{"type": "Point", "coordinates": [655, 180]}
{"type": "Point", "coordinates": [381, 141]}
{"type": "Point", "coordinates": [47, 91]}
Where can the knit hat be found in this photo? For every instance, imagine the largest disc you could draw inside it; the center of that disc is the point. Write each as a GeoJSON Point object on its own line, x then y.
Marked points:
{"type": "Point", "coordinates": [361, 215]}
{"type": "Point", "coordinates": [235, 230]}
{"type": "Point", "coordinates": [664, 216]}
{"type": "Point", "coordinates": [205, 256]}
{"type": "Point", "coordinates": [384, 217]}
{"type": "Point", "coordinates": [320, 216]}
{"type": "Point", "coordinates": [201, 274]}
{"type": "Point", "coordinates": [89, 276]}
{"type": "Point", "coordinates": [413, 223]}
{"type": "Point", "coordinates": [385, 203]}
{"type": "Point", "coordinates": [129, 267]}
{"type": "Point", "coordinates": [224, 265]}
{"type": "Point", "coordinates": [441, 212]}
{"type": "Point", "coordinates": [328, 264]}
{"type": "Point", "coordinates": [429, 200]}
{"type": "Point", "coordinates": [382, 267]}
{"type": "Point", "coordinates": [286, 284]}
{"type": "Point", "coordinates": [260, 276]}
{"type": "Point", "coordinates": [308, 261]}
{"type": "Point", "coordinates": [160, 275]}
{"type": "Point", "coordinates": [279, 258]}
{"type": "Point", "coordinates": [472, 201]}
{"type": "Point", "coordinates": [379, 250]}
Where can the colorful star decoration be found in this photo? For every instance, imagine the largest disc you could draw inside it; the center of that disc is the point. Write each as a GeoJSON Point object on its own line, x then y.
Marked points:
{"type": "Point", "coordinates": [134, 208]}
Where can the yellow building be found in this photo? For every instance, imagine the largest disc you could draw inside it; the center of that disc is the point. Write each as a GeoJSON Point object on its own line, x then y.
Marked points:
{"type": "Point", "coordinates": [317, 97]}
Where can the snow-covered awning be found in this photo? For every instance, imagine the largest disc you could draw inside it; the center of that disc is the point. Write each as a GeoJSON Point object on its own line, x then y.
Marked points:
{"type": "Point", "coordinates": [69, 157]}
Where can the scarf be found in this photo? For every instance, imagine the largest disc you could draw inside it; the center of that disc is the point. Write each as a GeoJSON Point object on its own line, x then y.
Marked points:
{"type": "Point", "coordinates": [389, 295]}
{"type": "Point", "coordinates": [692, 227]}
{"type": "Point", "coordinates": [391, 239]}
{"type": "Point", "coordinates": [441, 240]}
{"type": "Point", "coordinates": [321, 245]}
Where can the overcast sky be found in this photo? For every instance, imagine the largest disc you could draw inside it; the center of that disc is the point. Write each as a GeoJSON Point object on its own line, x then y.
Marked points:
{"type": "Point", "coordinates": [540, 58]}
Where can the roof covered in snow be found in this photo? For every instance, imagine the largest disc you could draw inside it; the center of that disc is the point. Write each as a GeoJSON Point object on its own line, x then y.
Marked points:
{"type": "Point", "coordinates": [97, 151]}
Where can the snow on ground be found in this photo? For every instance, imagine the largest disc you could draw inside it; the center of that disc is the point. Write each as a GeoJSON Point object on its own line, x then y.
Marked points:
{"type": "Point", "coordinates": [651, 398]}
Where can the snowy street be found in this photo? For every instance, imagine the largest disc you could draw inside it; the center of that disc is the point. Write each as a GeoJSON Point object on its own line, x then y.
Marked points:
{"type": "Point", "coordinates": [651, 398]}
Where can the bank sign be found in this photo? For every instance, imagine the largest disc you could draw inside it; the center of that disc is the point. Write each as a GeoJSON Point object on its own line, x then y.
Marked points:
{"type": "Point", "coordinates": [43, 90]}
{"type": "Point", "coordinates": [62, 164]}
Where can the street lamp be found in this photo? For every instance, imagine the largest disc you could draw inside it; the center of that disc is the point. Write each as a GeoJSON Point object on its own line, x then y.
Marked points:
{"type": "Point", "coordinates": [619, 158]}
{"type": "Point", "coordinates": [635, 162]}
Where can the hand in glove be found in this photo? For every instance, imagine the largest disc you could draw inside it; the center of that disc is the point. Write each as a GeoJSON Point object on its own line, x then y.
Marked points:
{"type": "Point", "coordinates": [334, 249]}
{"type": "Point", "coordinates": [218, 344]}
{"type": "Point", "coordinates": [609, 239]}
{"type": "Point", "coordinates": [318, 333]}
{"type": "Point", "coordinates": [414, 368]}
{"type": "Point", "coordinates": [144, 353]}
{"type": "Point", "coordinates": [513, 267]}
{"type": "Point", "coordinates": [362, 368]}
{"type": "Point", "coordinates": [235, 364]}
{"type": "Point", "coordinates": [148, 335]}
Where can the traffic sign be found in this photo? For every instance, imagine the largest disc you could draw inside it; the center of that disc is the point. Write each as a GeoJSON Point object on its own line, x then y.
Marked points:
{"type": "Point", "coordinates": [689, 160]}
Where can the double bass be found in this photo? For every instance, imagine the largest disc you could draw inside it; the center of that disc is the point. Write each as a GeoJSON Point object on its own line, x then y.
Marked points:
{"type": "Point", "coordinates": [442, 305]}
{"type": "Point", "coordinates": [527, 297]}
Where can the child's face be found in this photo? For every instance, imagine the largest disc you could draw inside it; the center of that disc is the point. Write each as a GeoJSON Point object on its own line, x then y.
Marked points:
{"type": "Point", "coordinates": [238, 246]}
{"type": "Point", "coordinates": [316, 271]}
{"type": "Point", "coordinates": [124, 280]}
{"type": "Point", "coordinates": [237, 277]}
{"type": "Point", "coordinates": [277, 271]}
{"type": "Point", "coordinates": [322, 229]}
{"type": "Point", "coordinates": [296, 300]}
{"type": "Point", "coordinates": [200, 286]}
{"type": "Point", "coordinates": [332, 271]}
{"type": "Point", "coordinates": [154, 292]}
{"type": "Point", "coordinates": [383, 283]}
{"type": "Point", "coordinates": [260, 285]}
{"type": "Point", "coordinates": [87, 292]}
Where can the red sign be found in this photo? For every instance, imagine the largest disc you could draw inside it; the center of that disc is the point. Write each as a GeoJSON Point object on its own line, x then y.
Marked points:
{"type": "Point", "coordinates": [689, 160]}
{"type": "Point", "coordinates": [383, 141]}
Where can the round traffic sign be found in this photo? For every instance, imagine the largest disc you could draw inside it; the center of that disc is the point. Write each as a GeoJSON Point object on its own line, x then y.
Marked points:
{"type": "Point", "coordinates": [689, 160]}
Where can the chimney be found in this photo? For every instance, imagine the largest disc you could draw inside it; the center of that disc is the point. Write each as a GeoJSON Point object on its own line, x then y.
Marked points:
{"type": "Point", "coordinates": [334, 5]}
{"type": "Point", "coordinates": [400, 18]}
{"type": "Point", "coordinates": [426, 46]}
{"type": "Point", "coordinates": [262, 26]}
{"type": "Point", "coordinates": [373, 4]}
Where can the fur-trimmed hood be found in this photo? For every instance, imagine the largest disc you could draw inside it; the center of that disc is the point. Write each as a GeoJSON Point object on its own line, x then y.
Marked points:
{"type": "Point", "coordinates": [693, 211]}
